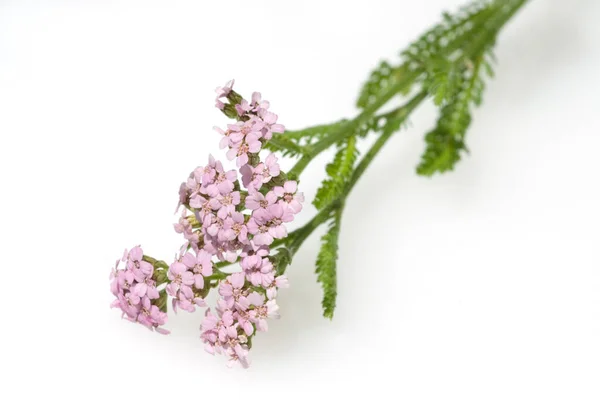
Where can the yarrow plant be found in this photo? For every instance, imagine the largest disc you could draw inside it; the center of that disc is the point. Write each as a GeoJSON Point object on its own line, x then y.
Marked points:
{"type": "Point", "coordinates": [239, 216]}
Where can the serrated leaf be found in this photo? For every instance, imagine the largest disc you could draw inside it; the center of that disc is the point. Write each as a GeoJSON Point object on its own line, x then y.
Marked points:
{"type": "Point", "coordinates": [446, 141]}
{"type": "Point", "coordinates": [326, 265]}
{"type": "Point", "coordinates": [338, 171]}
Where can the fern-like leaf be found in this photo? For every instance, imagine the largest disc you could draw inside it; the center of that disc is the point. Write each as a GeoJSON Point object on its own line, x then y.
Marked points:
{"type": "Point", "coordinates": [284, 144]}
{"type": "Point", "coordinates": [446, 141]}
{"type": "Point", "coordinates": [338, 172]}
{"type": "Point", "coordinates": [440, 45]}
{"type": "Point", "coordinates": [327, 265]}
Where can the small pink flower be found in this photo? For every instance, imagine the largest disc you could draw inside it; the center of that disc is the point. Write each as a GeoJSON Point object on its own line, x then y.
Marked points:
{"type": "Point", "coordinates": [140, 268]}
{"type": "Point", "coordinates": [179, 276]}
{"type": "Point", "coordinates": [262, 312]}
{"type": "Point", "coordinates": [259, 271]}
{"type": "Point", "coordinates": [288, 195]}
{"type": "Point", "coordinates": [280, 282]}
{"type": "Point", "coordinates": [230, 137]}
{"type": "Point", "coordinates": [232, 291]}
{"type": "Point", "coordinates": [250, 144]}
{"type": "Point", "coordinates": [223, 183]}
{"type": "Point", "coordinates": [235, 228]}
{"type": "Point", "coordinates": [223, 92]}
{"type": "Point", "coordinates": [270, 124]}
{"type": "Point", "coordinates": [225, 204]}
{"type": "Point", "coordinates": [256, 200]}
{"type": "Point", "coordinates": [200, 265]}
{"type": "Point", "coordinates": [267, 224]}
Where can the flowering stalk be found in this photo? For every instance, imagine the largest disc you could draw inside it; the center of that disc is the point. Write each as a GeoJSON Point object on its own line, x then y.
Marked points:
{"type": "Point", "coordinates": [239, 216]}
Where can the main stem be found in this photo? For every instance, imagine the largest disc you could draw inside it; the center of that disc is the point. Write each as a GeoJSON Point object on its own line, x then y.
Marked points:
{"type": "Point", "coordinates": [298, 236]}
{"type": "Point", "coordinates": [491, 25]}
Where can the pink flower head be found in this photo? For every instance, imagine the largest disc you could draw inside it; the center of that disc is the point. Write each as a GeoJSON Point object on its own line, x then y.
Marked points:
{"type": "Point", "coordinates": [287, 194]}
{"type": "Point", "coordinates": [225, 203]}
{"type": "Point", "coordinates": [151, 317]}
{"type": "Point", "coordinates": [200, 265]}
{"type": "Point", "coordinates": [257, 104]}
{"type": "Point", "coordinates": [230, 137]}
{"type": "Point", "coordinates": [233, 292]}
{"type": "Point", "coordinates": [222, 184]}
{"type": "Point", "coordinates": [140, 268]}
{"type": "Point", "coordinates": [259, 271]}
{"type": "Point", "coordinates": [280, 282]}
{"type": "Point", "coordinates": [254, 177]}
{"type": "Point", "coordinates": [250, 144]}
{"type": "Point", "coordinates": [268, 169]}
{"type": "Point", "coordinates": [262, 312]}
{"type": "Point", "coordinates": [179, 276]}
{"type": "Point", "coordinates": [234, 227]}
{"type": "Point", "coordinates": [223, 92]}
{"type": "Point", "coordinates": [135, 290]}
{"type": "Point", "coordinates": [267, 224]}
{"type": "Point", "coordinates": [256, 200]}
{"type": "Point", "coordinates": [270, 124]}
{"type": "Point", "coordinates": [238, 355]}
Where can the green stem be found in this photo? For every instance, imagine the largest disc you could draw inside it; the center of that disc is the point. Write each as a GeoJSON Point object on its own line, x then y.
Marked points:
{"type": "Point", "coordinates": [402, 113]}
{"type": "Point", "coordinates": [348, 129]}
{"type": "Point", "coordinates": [297, 237]}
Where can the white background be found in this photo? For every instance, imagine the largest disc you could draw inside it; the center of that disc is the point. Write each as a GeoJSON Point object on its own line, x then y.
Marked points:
{"type": "Point", "coordinates": [480, 284]}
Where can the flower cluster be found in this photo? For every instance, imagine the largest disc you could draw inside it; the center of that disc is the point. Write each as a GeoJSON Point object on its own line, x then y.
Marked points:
{"type": "Point", "coordinates": [229, 216]}
{"type": "Point", "coordinates": [231, 224]}
{"type": "Point", "coordinates": [136, 291]}
{"type": "Point", "coordinates": [241, 308]}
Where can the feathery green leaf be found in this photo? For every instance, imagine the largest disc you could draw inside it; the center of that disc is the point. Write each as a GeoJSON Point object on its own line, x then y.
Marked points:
{"type": "Point", "coordinates": [338, 171]}
{"type": "Point", "coordinates": [327, 264]}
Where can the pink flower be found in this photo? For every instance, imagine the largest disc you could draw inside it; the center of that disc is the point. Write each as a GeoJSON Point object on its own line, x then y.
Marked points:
{"type": "Point", "coordinates": [256, 200]}
{"type": "Point", "coordinates": [270, 124]}
{"type": "Point", "coordinates": [230, 137]}
{"type": "Point", "coordinates": [222, 184]}
{"type": "Point", "coordinates": [238, 355]}
{"type": "Point", "coordinates": [268, 169]}
{"type": "Point", "coordinates": [151, 317]}
{"type": "Point", "coordinates": [235, 228]}
{"type": "Point", "coordinates": [252, 249]}
{"type": "Point", "coordinates": [254, 177]}
{"type": "Point", "coordinates": [135, 289]}
{"type": "Point", "coordinates": [259, 271]}
{"type": "Point", "coordinates": [250, 144]}
{"type": "Point", "coordinates": [140, 268]}
{"type": "Point", "coordinates": [245, 108]}
{"type": "Point", "coordinates": [200, 265]}
{"type": "Point", "coordinates": [188, 300]}
{"type": "Point", "coordinates": [288, 195]}
{"type": "Point", "coordinates": [262, 312]}
{"type": "Point", "coordinates": [223, 92]}
{"type": "Point", "coordinates": [280, 282]}
{"type": "Point", "coordinates": [146, 287]}
{"type": "Point", "coordinates": [267, 224]}
{"type": "Point", "coordinates": [179, 276]}
{"type": "Point", "coordinates": [225, 204]}
{"type": "Point", "coordinates": [232, 291]}
{"type": "Point", "coordinates": [121, 280]}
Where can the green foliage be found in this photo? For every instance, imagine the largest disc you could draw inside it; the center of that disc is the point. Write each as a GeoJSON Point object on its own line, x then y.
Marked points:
{"type": "Point", "coordinates": [446, 141]}
{"type": "Point", "coordinates": [285, 145]}
{"type": "Point", "coordinates": [327, 264]}
{"type": "Point", "coordinates": [431, 56]}
{"type": "Point", "coordinates": [281, 259]}
{"type": "Point", "coordinates": [381, 77]}
{"type": "Point", "coordinates": [297, 143]}
{"type": "Point", "coordinates": [309, 136]}
{"type": "Point", "coordinates": [446, 40]}
{"type": "Point", "coordinates": [338, 172]}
